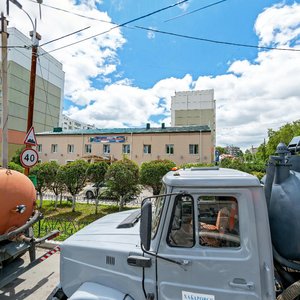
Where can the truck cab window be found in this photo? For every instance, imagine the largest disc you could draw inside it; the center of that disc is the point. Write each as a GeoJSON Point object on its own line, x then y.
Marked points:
{"type": "Point", "coordinates": [218, 221]}
{"type": "Point", "coordinates": [181, 230]}
{"type": "Point", "coordinates": [157, 207]}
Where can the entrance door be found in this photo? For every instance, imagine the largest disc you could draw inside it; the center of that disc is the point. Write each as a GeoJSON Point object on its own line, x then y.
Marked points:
{"type": "Point", "coordinates": [210, 235]}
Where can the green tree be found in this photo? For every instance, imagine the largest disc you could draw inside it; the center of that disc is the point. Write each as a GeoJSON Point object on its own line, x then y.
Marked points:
{"type": "Point", "coordinates": [96, 174]}
{"type": "Point", "coordinates": [15, 167]}
{"type": "Point", "coordinates": [195, 165]}
{"type": "Point", "coordinates": [122, 178]}
{"type": "Point", "coordinates": [74, 176]}
{"type": "Point", "coordinates": [152, 172]}
{"type": "Point", "coordinates": [16, 157]}
{"type": "Point", "coordinates": [221, 150]}
{"type": "Point", "coordinates": [56, 185]}
{"type": "Point", "coordinates": [284, 134]}
{"type": "Point", "coordinates": [45, 174]}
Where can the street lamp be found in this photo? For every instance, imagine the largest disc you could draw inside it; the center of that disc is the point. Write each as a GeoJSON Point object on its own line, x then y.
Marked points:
{"type": "Point", "coordinates": [35, 37]}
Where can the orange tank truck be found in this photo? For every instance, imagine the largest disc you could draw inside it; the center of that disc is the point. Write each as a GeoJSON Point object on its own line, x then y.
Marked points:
{"type": "Point", "coordinates": [17, 200]}
{"type": "Point", "coordinates": [18, 215]}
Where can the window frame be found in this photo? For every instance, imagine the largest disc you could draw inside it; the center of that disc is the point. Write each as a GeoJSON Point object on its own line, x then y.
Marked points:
{"type": "Point", "coordinates": [193, 225]}
{"type": "Point", "coordinates": [70, 148]}
{"type": "Point", "coordinates": [39, 148]}
{"type": "Point", "coordinates": [148, 147]}
{"type": "Point", "coordinates": [126, 149]}
{"type": "Point", "coordinates": [88, 148]}
{"type": "Point", "coordinates": [170, 149]}
{"type": "Point", "coordinates": [54, 148]}
{"type": "Point", "coordinates": [106, 147]}
{"type": "Point", "coordinates": [194, 148]}
{"type": "Point", "coordinates": [232, 195]}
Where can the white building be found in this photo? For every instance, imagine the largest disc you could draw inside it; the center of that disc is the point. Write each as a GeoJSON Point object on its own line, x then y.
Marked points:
{"type": "Point", "coordinates": [195, 108]}
{"type": "Point", "coordinates": [67, 123]}
{"type": "Point", "coordinates": [49, 90]}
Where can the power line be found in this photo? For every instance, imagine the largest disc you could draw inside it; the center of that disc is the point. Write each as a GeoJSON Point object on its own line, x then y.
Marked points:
{"type": "Point", "coordinates": [216, 41]}
{"type": "Point", "coordinates": [64, 36]}
{"type": "Point", "coordinates": [74, 13]}
{"type": "Point", "coordinates": [195, 10]}
{"type": "Point", "coordinates": [11, 47]}
{"type": "Point", "coordinates": [122, 25]}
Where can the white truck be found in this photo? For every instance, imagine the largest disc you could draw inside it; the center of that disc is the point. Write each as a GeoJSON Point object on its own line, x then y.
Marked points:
{"type": "Point", "coordinates": [207, 236]}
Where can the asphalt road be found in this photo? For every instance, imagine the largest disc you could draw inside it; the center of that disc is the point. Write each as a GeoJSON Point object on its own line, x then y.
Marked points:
{"type": "Point", "coordinates": [35, 284]}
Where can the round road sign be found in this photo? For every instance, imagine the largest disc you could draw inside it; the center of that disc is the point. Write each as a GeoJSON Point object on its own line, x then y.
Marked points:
{"type": "Point", "coordinates": [29, 157]}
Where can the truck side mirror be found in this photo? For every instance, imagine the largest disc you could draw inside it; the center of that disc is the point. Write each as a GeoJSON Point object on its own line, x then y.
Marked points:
{"type": "Point", "coordinates": [145, 225]}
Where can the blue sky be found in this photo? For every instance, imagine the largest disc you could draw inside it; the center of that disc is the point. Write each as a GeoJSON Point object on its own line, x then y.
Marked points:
{"type": "Point", "coordinates": [126, 77]}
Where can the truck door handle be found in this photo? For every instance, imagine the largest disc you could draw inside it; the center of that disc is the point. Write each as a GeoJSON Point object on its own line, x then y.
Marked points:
{"type": "Point", "coordinates": [241, 283]}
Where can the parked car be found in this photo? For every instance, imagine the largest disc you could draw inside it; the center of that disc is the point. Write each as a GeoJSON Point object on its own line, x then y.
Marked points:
{"type": "Point", "coordinates": [90, 190]}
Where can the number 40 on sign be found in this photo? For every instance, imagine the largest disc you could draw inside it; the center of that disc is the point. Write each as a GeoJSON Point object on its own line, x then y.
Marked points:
{"type": "Point", "coordinates": [29, 157]}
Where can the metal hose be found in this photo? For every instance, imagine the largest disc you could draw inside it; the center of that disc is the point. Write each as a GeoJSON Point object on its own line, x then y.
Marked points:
{"type": "Point", "coordinates": [7, 236]}
{"type": "Point", "coordinates": [291, 292]}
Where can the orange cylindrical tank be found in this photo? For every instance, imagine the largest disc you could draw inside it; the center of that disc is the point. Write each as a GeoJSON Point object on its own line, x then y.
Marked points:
{"type": "Point", "coordinates": [17, 198]}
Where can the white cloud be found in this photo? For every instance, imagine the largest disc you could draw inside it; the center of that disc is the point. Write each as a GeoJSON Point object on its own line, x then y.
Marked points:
{"type": "Point", "coordinates": [251, 97]}
{"type": "Point", "coordinates": [83, 61]}
{"type": "Point", "coordinates": [278, 24]}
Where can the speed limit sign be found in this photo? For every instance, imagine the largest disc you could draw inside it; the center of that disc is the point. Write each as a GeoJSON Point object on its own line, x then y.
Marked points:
{"type": "Point", "coordinates": [29, 157]}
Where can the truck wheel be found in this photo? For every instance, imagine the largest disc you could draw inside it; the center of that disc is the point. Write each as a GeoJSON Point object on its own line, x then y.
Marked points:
{"type": "Point", "coordinates": [89, 195]}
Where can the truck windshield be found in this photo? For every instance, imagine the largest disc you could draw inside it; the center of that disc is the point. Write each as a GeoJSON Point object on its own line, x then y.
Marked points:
{"type": "Point", "coordinates": [157, 207]}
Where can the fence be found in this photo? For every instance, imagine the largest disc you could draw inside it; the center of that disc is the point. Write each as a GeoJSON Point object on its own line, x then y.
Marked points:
{"type": "Point", "coordinates": [66, 227]}
{"type": "Point", "coordinates": [83, 199]}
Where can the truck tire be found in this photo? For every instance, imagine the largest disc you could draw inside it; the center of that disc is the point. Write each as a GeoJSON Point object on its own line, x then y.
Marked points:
{"type": "Point", "coordinates": [291, 292]}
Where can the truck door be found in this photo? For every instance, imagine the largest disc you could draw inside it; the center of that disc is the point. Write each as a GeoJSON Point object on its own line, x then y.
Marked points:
{"type": "Point", "coordinates": [212, 237]}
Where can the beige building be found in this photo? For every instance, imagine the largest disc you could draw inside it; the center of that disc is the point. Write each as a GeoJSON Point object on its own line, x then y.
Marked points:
{"type": "Point", "coordinates": [186, 144]}
{"type": "Point", "coordinates": [49, 91]}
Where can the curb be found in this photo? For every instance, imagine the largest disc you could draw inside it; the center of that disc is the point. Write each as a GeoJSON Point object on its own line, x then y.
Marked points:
{"type": "Point", "coordinates": [49, 244]}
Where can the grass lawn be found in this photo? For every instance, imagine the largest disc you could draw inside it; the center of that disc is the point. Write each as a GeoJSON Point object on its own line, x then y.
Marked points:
{"type": "Point", "coordinates": [69, 222]}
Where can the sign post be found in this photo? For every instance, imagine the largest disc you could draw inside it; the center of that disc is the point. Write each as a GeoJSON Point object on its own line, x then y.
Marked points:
{"type": "Point", "coordinates": [29, 157]}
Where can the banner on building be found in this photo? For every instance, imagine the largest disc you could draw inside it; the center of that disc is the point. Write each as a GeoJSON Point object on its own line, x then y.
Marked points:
{"type": "Point", "coordinates": [108, 139]}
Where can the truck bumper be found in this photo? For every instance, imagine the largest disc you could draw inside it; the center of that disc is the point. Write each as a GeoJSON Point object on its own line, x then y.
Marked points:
{"type": "Point", "coordinates": [95, 291]}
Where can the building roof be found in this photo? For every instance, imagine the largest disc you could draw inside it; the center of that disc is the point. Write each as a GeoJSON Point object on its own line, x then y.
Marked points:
{"type": "Point", "coordinates": [106, 131]}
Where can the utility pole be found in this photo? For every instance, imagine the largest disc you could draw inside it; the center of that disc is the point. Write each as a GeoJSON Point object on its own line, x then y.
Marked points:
{"type": "Point", "coordinates": [4, 117]}
{"type": "Point", "coordinates": [35, 43]}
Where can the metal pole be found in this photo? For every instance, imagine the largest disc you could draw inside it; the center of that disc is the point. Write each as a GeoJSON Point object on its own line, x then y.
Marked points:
{"type": "Point", "coordinates": [4, 36]}
{"type": "Point", "coordinates": [35, 42]}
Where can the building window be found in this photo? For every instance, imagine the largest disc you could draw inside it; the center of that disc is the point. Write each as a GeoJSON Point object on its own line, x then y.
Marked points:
{"type": "Point", "coordinates": [70, 148]}
{"type": "Point", "coordinates": [106, 149]}
{"type": "Point", "coordinates": [147, 149]}
{"type": "Point", "coordinates": [88, 148]}
{"type": "Point", "coordinates": [194, 148]}
{"type": "Point", "coordinates": [170, 149]}
{"type": "Point", "coordinates": [126, 148]}
{"type": "Point", "coordinates": [39, 148]}
{"type": "Point", "coordinates": [54, 148]}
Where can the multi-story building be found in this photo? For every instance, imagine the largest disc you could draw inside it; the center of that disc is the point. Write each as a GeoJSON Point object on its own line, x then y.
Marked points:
{"type": "Point", "coordinates": [233, 150]}
{"type": "Point", "coordinates": [184, 144]}
{"type": "Point", "coordinates": [49, 90]}
{"type": "Point", "coordinates": [195, 108]}
{"type": "Point", "coordinates": [67, 123]}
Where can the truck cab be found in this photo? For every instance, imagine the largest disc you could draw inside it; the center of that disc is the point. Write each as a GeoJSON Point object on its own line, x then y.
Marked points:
{"type": "Point", "coordinates": [206, 236]}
